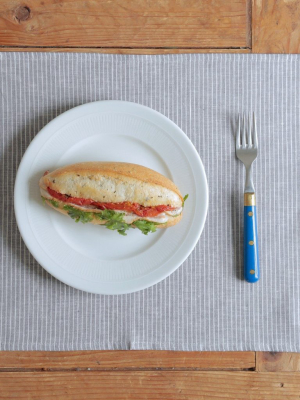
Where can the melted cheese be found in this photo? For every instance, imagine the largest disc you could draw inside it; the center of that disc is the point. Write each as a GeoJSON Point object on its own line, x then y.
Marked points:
{"type": "Point", "coordinates": [175, 212]}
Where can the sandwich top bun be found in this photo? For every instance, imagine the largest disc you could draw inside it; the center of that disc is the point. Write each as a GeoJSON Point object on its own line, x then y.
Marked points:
{"type": "Point", "coordinates": [113, 182]}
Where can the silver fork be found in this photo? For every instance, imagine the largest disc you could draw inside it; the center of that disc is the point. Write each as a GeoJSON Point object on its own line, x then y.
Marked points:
{"type": "Point", "coordinates": [246, 150]}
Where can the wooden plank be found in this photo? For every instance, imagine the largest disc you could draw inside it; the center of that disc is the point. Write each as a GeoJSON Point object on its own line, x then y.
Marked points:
{"type": "Point", "coordinates": [167, 385]}
{"type": "Point", "coordinates": [134, 23]}
{"type": "Point", "coordinates": [274, 362]}
{"type": "Point", "coordinates": [120, 50]}
{"type": "Point", "coordinates": [126, 360]}
{"type": "Point", "coordinates": [276, 26]}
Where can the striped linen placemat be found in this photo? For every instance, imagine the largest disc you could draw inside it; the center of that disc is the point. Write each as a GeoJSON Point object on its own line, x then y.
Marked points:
{"type": "Point", "coordinates": [205, 304]}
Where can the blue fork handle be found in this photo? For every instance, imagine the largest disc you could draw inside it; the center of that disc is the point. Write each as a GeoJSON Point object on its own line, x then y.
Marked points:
{"type": "Point", "coordinates": [251, 259]}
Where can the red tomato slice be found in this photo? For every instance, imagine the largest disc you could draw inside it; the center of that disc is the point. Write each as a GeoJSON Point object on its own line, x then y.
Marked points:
{"type": "Point", "coordinates": [125, 206]}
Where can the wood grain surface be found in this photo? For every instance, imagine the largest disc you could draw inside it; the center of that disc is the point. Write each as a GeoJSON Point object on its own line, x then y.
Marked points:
{"type": "Point", "coordinates": [151, 27]}
{"type": "Point", "coordinates": [276, 26]}
{"type": "Point", "coordinates": [161, 385]}
{"type": "Point", "coordinates": [274, 362]}
{"type": "Point", "coordinates": [131, 23]}
{"type": "Point", "coordinates": [127, 360]}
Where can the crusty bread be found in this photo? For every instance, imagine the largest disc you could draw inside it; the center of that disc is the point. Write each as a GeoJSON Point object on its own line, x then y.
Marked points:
{"type": "Point", "coordinates": [172, 221]}
{"type": "Point", "coordinates": [114, 182]}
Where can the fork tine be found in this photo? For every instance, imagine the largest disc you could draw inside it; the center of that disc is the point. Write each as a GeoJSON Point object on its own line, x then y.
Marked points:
{"type": "Point", "coordinates": [249, 138]}
{"type": "Point", "coordinates": [238, 135]}
{"type": "Point", "coordinates": [255, 142]}
{"type": "Point", "coordinates": [244, 132]}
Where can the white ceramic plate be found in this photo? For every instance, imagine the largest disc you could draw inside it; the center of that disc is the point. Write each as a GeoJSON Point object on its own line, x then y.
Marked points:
{"type": "Point", "coordinates": [93, 258]}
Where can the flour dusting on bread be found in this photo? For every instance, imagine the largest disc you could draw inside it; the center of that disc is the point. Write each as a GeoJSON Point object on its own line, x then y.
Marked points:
{"type": "Point", "coordinates": [114, 182]}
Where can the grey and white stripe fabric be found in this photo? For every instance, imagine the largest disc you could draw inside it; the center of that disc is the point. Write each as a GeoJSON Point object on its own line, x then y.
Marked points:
{"type": "Point", "coordinates": [205, 304]}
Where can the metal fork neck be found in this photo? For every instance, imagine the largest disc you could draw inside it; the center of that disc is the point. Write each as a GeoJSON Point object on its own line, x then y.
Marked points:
{"type": "Point", "coordinates": [249, 186]}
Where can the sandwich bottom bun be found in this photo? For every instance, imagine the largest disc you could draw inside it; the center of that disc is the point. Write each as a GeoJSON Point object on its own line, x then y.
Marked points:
{"type": "Point", "coordinates": [171, 222]}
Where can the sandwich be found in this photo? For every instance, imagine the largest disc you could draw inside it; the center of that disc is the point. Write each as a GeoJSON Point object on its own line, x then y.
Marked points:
{"type": "Point", "coordinates": [118, 195]}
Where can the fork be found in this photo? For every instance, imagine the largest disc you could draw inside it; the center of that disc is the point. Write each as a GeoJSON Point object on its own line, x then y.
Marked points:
{"type": "Point", "coordinates": [246, 151]}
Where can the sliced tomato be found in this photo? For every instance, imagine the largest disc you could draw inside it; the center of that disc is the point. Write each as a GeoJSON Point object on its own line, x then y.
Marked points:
{"type": "Point", "coordinates": [135, 208]}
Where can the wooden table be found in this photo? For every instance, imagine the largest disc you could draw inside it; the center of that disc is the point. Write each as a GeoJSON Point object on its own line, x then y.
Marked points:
{"type": "Point", "coordinates": [150, 27]}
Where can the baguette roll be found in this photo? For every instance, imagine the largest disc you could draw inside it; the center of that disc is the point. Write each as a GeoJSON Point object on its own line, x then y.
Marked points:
{"type": "Point", "coordinates": [92, 188]}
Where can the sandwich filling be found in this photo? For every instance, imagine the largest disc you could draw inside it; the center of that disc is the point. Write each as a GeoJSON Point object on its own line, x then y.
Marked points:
{"type": "Point", "coordinates": [131, 210]}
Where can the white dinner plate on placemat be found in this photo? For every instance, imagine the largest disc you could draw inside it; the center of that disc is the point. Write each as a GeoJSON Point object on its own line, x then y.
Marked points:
{"type": "Point", "coordinates": [93, 258]}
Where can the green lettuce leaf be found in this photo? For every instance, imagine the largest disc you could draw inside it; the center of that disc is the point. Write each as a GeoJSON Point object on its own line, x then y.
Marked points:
{"type": "Point", "coordinates": [121, 227]}
{"type": "Point", "coordinates": [114, 221]}
{"type": "Point", "coordinates": [78, 215]}
{"type": "Point", "coordinates": [53, 202]}
{"type": "Point", "coordinates": [108, 214]}
{"type": "Point", "coordinates": [184, 199]}
{"type": "Point", "coordinates": [145, 226]}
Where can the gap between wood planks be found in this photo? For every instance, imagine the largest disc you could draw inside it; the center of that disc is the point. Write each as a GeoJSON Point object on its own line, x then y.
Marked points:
{"type": "Point", "coordinates": [75, 369]}
{"type": "Point", "coordinates": [123, 47]}
{"type": "Point", "coordinates": [127, 50]}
